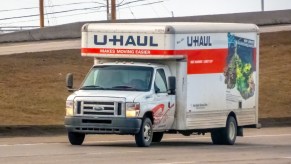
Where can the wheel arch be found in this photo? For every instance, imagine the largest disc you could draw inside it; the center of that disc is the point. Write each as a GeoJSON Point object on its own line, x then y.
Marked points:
{"type": "Point", "coordinates": [149, 114]}
{"type": "Point", "coordinates": [234, 116]}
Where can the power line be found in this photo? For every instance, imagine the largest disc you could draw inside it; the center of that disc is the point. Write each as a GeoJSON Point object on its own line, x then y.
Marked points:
{"type": "Point", "coordinates": [47, 16]}
{"type": "Point", "coordinates": [157, 14]}
{"type": "Point", "coordinates": [64, 11]}
{"type": "Point", "coordinates": [131, 12]}
{"type": "Point", "coordinates": [127, 3]}
{"type": "Point", "coordinates": [170, 12]}
{"type": "Point", "coordinates": [145, 4]}
{"type": "Point", "coordinates": [67, 4]}
{"type": "Point", "coordinates": [120, 3]}
{"type": "Point", "coordinates": [51, 9]}
{"type": "Point", "coordinates": [32, 20]}
{"type": "Point", "coordinates": [85, 13]}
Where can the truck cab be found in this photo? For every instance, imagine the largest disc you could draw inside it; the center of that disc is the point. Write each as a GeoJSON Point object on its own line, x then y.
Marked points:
{"type": "Point", "coordinates": [116, 97]}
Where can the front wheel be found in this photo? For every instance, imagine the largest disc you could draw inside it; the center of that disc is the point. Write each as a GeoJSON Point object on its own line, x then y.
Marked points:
{"type": "Point", "coordinates": [145, 135]}
{"type": "Point", "coordinates": [76, 138]}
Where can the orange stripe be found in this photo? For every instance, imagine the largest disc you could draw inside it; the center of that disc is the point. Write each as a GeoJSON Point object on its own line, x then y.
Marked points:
{"type": "Point", "coordinates": [95, 51]}
{"type": "Point", "coordinates": [202, 61]}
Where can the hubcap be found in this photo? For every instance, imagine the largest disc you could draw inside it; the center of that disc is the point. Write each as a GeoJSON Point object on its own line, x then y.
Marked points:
{"type": "Point", "coordinates": [231, 130]}
{"type": "Point", "coordinates": [147, 132]}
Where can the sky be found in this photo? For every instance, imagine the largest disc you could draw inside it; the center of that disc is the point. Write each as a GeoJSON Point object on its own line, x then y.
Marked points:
{"type": "Point", "coordinates": [68, 11]}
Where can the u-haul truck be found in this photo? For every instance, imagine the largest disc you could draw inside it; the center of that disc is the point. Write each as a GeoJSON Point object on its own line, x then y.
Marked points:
{"type": "Point", "coordinates": [155, 78]}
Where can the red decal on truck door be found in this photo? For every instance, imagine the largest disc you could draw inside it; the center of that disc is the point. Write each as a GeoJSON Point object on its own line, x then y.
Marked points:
{"type": "Point", "coordinates": [159, 114]}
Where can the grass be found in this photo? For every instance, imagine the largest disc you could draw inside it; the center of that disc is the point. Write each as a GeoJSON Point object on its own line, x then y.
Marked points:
{"type": "Point", "coordinates": [33, 92]}
{"type": "Point", "coordinates": [32, 86]}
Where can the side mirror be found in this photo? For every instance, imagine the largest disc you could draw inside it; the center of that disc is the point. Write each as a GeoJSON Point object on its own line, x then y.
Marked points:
{"type": "Point", "coordinates": [70, 81]}
{"type": "Point", "coordinates": [172, 85]}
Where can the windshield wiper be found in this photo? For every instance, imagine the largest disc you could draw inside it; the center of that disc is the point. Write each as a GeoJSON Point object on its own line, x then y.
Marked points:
{"type": "Point", "coordinates": [125, 87]}
{"type": "Point", "coordinates": [89, 87]}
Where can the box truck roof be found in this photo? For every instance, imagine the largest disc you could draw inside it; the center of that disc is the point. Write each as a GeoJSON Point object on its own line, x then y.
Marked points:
{"type": "Point", "coordinates": [169, 27]}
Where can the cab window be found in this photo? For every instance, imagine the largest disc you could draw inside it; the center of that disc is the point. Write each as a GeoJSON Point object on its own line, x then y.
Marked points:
{"type": "Point", "coordinates": [160, 84]}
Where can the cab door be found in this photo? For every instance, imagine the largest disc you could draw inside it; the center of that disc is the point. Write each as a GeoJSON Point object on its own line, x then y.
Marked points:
{"type": "Point", "coordinates": [164, 108]}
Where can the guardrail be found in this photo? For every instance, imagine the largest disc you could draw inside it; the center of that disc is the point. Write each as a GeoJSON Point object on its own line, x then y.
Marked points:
{"type": "Point", "coordinates": [7, 29]}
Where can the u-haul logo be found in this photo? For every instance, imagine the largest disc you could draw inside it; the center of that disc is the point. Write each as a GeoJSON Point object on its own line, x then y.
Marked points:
{"type": "Point", "coordinates": [120, 40]}
{"type": "Point", "coordinates": [197, 41]}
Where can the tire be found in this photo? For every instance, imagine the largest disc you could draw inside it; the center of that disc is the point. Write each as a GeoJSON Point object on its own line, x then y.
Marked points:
{"type": "Point", "coordinates": [157, 136]}
{"type": "Point", "coordinates": [216, 137]}
{"type": "Point", "coordinates": [145, 135]}
{"type": "Point", "coordinates": [227, 135]}
{"type": "Point", "coordinates": [76, 138]}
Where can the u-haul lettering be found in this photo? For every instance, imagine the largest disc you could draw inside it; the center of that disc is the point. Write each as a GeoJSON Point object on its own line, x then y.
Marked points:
{"type": "Point", "coordinates": [198, 41]}
{"type": "Point", "coordinates": [120, 40]}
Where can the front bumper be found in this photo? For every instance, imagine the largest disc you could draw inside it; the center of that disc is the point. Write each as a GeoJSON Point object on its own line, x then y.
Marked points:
{"type": "Point", "coordinates": [91, 125]}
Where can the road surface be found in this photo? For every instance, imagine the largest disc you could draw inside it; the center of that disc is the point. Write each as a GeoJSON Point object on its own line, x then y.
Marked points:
{"type": "Point", "coordinates": [39, 46]}
{"type": "Point", "coordinates": [14, 48]}
{"type": "Point", "coordinates": [275, 28]}
{"type": "Point", "coordinates": [266, 145]}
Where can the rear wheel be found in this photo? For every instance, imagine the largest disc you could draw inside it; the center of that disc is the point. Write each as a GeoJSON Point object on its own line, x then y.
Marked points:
{"type": "Point", "coordinates": [216, 137]}
{"type": "Point", "coordinates": [157, 136]}
{"type": "Point", "coordinates": [76, 138]}
{"type": "Point", "coordinates": [227, 135]}
{"type": "Point", "coordinates": [145, 135]}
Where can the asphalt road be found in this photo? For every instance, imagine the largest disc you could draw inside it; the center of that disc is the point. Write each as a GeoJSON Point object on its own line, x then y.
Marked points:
{"type": "Point", "coordinates": [275, 28]}
{"type": "Point", "coordinates": [39, 46]}
{"type": "Point", "coordinates": [266, 145]}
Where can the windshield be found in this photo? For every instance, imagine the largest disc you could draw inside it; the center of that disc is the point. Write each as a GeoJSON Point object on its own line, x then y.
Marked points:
{"type": "Point", "coordinates": [127, 78]}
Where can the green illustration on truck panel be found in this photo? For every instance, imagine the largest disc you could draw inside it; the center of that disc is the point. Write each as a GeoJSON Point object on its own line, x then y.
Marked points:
{"type": "Point", "coordinates": [240, 66]}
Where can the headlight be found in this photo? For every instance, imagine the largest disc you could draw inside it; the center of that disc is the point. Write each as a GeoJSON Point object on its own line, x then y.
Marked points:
{"type": "Point", "coordinates": [69, 108]}
{"type": "Point", "coordinates": [132, 109]}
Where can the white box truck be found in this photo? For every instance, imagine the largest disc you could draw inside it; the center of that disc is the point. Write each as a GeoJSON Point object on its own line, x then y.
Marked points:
{"type": "Point", "coordinates": [154, 78]}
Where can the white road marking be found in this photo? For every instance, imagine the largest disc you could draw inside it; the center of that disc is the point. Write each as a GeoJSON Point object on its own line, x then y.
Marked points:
{"type": "Point", "coordinates": [166, 139]}
{"type": "Point", "coordinates": [109, 141]}
{"type": "Point", "coordinates": [32, 144]}
{"type": "Point", "coordinates": [269, 135]}
{"type": "Point", "coordinates": [177, 162]}
{"type": "Point", "coordinates": [189, 162]}
{"type": "Point", "coordinates": [106, 153]}
{"type": "Point", "coordinates": [254, 136]}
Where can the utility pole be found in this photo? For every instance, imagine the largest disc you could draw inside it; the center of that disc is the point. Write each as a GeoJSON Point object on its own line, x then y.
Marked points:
{"type": "Point", "coordinates": [41, 14]}
{"type": "Point", "coordinates": [263, 5]}
{"type": "Point", "coordinates": [113, 11]}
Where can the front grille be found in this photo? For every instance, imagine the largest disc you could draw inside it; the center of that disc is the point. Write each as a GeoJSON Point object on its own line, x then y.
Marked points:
{"type": "Point", "coordinates": [97, 108]}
